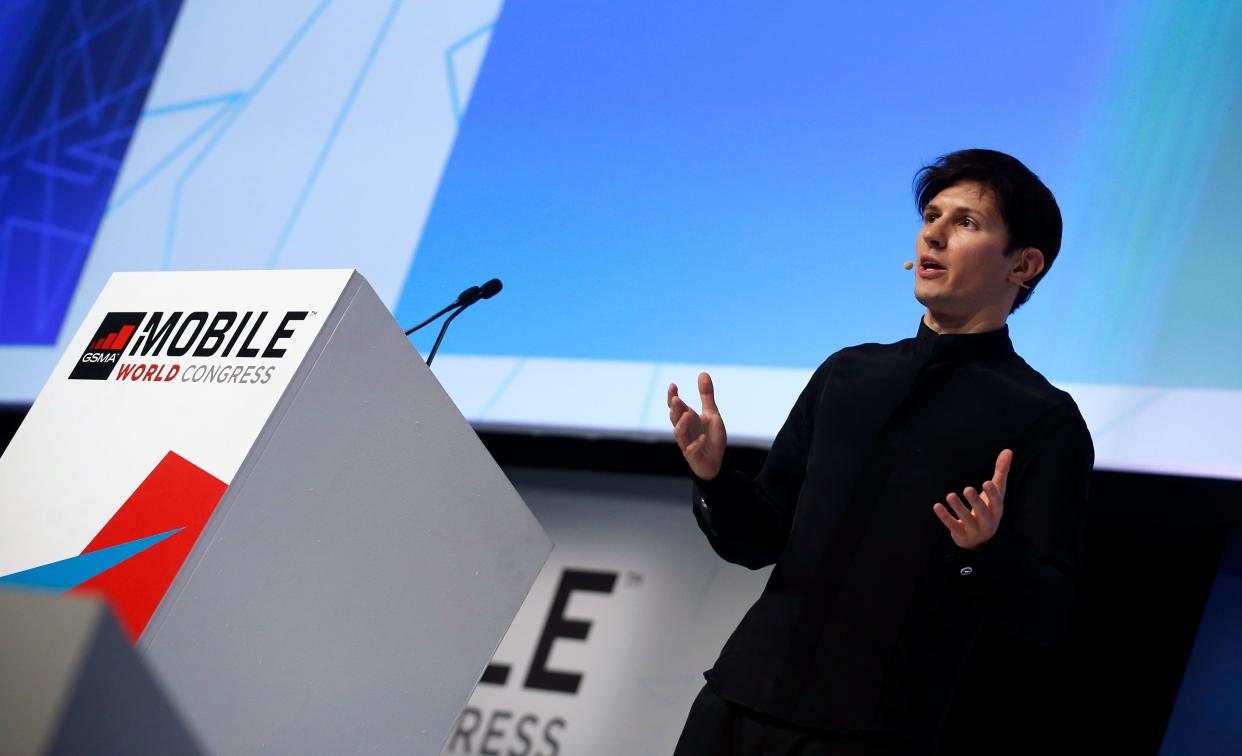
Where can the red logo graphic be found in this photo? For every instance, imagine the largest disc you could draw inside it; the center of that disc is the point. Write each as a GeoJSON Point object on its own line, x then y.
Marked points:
{"type": "Point", "coordinates": [177, 495]}
{"type": "Point", "coordinates": [115, 341]}
{"type": "Point", "coordinates": [104, 351]}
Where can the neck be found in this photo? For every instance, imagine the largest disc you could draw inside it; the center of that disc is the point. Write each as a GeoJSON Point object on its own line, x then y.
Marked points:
{"type": "Point", "coordinates": [977, 322]}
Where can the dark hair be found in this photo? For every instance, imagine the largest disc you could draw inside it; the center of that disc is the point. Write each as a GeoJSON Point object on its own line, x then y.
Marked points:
{"type": "Point", "coordinates": [1027, 206]}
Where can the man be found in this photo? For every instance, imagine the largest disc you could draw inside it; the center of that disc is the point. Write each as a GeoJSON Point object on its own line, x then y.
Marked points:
{"type": "Point", "coordinates": [916, 491]}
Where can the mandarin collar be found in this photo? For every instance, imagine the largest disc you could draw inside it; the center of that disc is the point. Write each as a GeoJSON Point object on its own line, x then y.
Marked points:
{"type": "Point", "coordinates": [962, 346]}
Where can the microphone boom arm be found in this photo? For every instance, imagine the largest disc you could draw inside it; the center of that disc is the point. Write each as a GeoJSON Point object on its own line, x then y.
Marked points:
{"type": "Point", "coordinates": [428, 320]}
{"type": "Point", "coordinates": [444, 328]}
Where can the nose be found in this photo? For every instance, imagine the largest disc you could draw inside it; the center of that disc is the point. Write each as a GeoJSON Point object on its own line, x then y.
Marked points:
{"type": "Point", "coordinates": [933, 234]}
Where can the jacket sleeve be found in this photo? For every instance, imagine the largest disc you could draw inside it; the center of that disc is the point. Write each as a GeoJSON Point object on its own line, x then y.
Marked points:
{"type": "Point", "coordinates": [1025, 577]}
{"type": "Point", "coordinates": [747, 521]}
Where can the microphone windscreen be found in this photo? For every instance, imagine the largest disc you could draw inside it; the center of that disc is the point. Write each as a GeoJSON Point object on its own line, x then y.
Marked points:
{"type": "Point", "coordinates": [469, 296]}
{"type": "Point", "coordinates": [491, 288]}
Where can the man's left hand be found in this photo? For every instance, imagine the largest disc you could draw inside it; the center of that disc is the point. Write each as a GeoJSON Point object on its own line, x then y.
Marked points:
{"type": "Point", "coordinates": [974, 526]}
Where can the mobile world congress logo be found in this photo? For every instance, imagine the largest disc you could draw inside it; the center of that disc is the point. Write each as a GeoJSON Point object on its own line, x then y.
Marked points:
{"type": "Point", "coordinates": [104, 350]}
{"type": "Point", "coordinates": [224, 347]}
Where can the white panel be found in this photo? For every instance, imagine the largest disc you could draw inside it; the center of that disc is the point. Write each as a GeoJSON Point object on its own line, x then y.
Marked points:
{"type": "Point", "coordinates": [87, 444]}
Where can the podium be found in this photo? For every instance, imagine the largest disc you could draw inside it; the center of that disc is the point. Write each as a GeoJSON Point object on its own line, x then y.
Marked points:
{"type": "Point", "coordinates": [310, 545]}
{"type": "Point", "coordinates": [83, 690]}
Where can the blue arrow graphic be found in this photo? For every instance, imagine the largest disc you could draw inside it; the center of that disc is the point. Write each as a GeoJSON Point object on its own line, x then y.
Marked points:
{"type": "Point", "coordinates": [72, 572]}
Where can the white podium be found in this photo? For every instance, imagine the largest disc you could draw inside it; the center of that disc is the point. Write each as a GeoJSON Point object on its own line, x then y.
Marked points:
{"type": "Point", "coordinates": [313, 549]}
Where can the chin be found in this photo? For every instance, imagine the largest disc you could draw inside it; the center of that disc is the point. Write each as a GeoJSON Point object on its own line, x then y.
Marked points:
{"type": "Point", "coordinates": [942, 306]}
{"type": "Point", "coordinates": [929, 299]}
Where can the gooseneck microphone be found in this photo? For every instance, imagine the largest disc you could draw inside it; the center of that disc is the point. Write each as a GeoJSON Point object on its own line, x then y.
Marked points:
{"type": "Point", "coordinates": [467, 297]}
{"type": "Point", "coordinates": [464, 300]}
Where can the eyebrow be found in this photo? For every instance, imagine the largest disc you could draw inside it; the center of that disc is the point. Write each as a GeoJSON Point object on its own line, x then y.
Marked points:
{"type": "Point", "coordinates": [962, 209]}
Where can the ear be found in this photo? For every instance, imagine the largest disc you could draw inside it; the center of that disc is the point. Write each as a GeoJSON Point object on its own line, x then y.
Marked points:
{"type": "Point", "coordinates": [1027, 264]}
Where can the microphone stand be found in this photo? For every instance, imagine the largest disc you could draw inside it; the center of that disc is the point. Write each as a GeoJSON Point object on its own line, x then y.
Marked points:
{"type": "Point", "coordinates": [428, 320]}
{"type": "Point", "coordinates": [444, 328]}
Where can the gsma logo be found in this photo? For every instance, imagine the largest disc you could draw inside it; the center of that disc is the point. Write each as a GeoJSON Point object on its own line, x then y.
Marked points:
{"type": "Point", "coordinates": [104, 350]}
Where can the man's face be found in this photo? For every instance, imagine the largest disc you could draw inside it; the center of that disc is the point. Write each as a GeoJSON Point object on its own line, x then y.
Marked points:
{"type": "Point", "coordinates": [961, 270]}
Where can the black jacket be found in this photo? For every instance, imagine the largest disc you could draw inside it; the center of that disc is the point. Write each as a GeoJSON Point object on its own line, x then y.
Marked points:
{"type": "Point", "coordinates": [871, 611]}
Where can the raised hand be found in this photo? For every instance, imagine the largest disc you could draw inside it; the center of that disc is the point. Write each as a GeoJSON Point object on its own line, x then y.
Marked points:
{"type": "Point", "coordinates": [975, 526]}
{"type": "Point", "coordinates": [700, 436]}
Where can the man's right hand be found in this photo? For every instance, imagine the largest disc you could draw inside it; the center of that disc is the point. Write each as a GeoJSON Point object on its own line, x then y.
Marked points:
{"type": "Point", "coordinates": [700, 436]}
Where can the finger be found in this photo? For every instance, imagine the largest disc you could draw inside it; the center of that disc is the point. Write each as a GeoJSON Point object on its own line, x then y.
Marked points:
{"type": "Point", "coordinates": [1001, 476]}
{"type": "Point", "coordinates": [681, 409]}
{"type": "Point", "coordinates": [672, 394]}
{"type": "Point", "coordinates": [996, 499]}
{"type": "Point", "coordinates": [943, 515]}
{"type": "Point", "coordinates": [707, 392]}
{"type": "Point", "coordinates": [682, 430]}
{"type": "Point", "coordinates": [959, 509]}
{"type": "Point", "coordinates": [677, 408]}
{"type": "Point", "coordinates": [980, 510]}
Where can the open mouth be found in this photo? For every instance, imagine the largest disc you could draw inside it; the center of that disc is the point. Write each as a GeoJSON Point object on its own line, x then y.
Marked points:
{"type": "Point", "coordinates": [930, 269]}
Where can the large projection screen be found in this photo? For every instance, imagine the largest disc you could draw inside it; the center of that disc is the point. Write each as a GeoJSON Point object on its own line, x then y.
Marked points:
{"type": "Point", "coordinates": [666, 188]}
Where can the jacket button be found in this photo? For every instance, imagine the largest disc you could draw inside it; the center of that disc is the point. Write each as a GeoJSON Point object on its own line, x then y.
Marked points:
{"type": "Point", "coordinates": [966, 570]}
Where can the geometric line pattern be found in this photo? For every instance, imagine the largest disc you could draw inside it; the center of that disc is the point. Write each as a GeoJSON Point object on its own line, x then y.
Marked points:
{"type": "Point", "coordinates": [75, 77]}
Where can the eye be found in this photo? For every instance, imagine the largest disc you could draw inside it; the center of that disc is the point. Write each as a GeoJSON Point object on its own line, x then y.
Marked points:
{"type": "Point", "coordinates": [969, 223]}
{"type": "Point", "coordinates": [930, 218]}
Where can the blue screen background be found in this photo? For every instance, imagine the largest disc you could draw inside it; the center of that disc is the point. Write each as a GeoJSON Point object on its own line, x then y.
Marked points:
{"type": "Point", "coordinates": [713, 183]}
